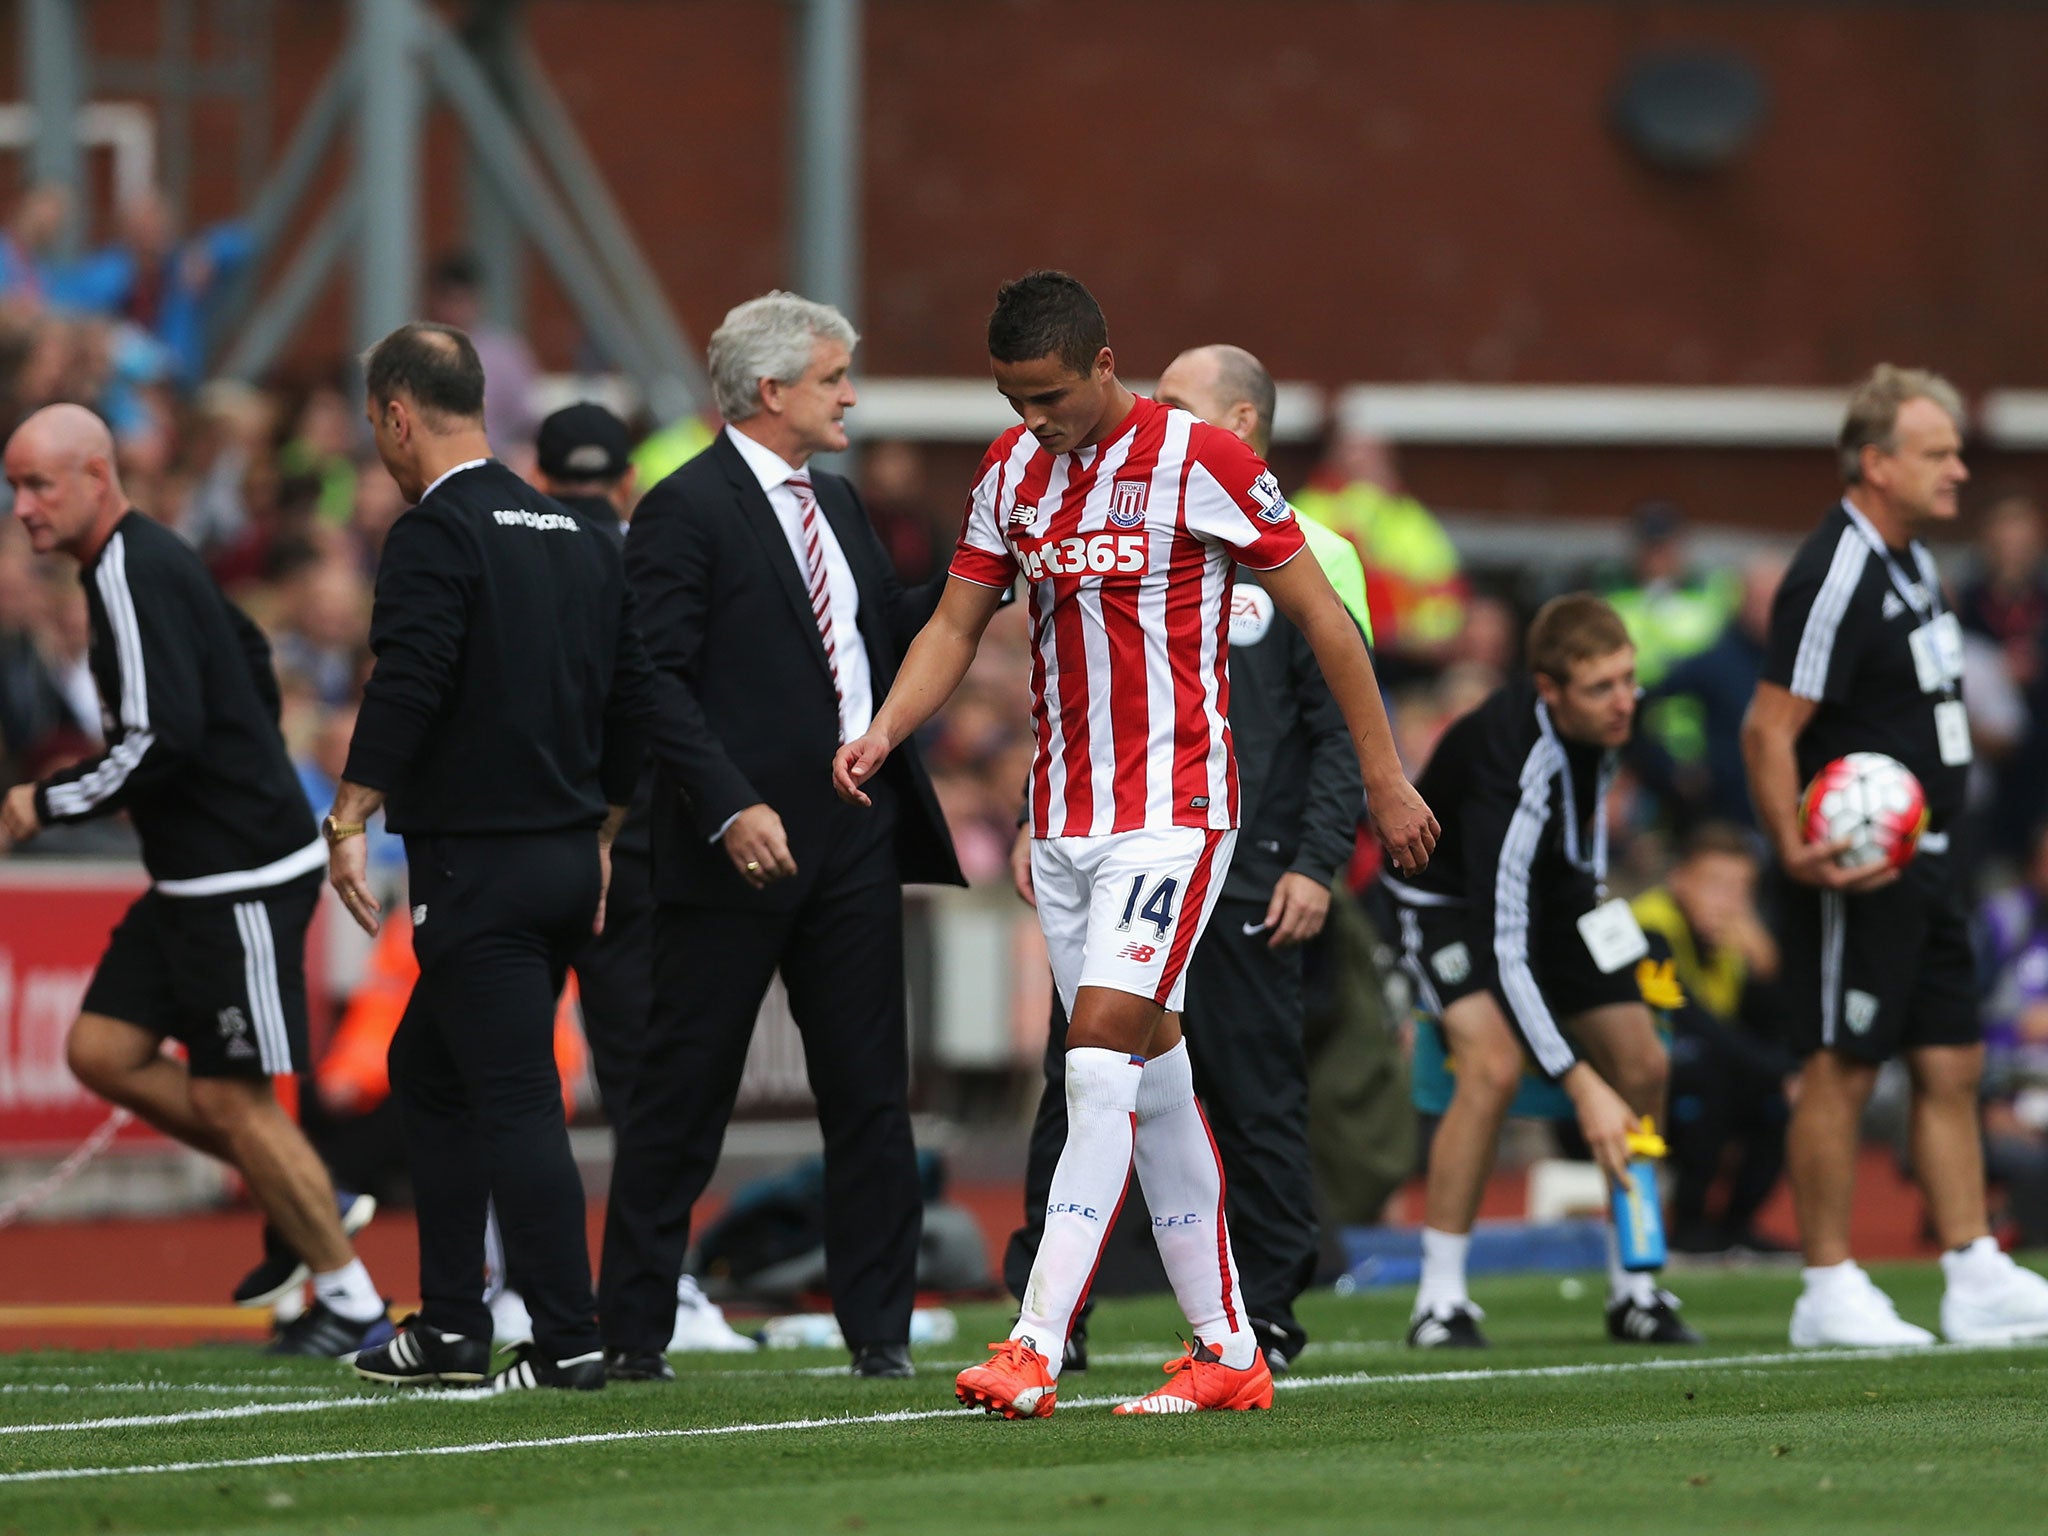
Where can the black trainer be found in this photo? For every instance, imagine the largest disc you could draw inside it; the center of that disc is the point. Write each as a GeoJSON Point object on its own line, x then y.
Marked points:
{"type": "Point", "coordinates": [883, 1362]}
{"type": "Point", "coordinates": [1629, 1322]}
{"type": "Point", "coordinates": [527, 1372]}
{"type": "Point", "coordinates": [1278, 1343]}
{"type": "Point", "coordinates": [1457, 1328]}
{"type": "Point", "coordinates": [1074, 1355]}
{"type": "Point", "coordinates": [422, 1355]}
{"type": "Point", "coordinates": [624, 1365]}
{"type": "Point", "coordinates": [281, 1270]}
{"type": "Point", "coordinates": [320, 1330]}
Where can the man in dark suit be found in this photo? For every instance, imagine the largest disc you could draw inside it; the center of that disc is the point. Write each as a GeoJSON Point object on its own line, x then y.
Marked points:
{"type": "Point", "coordinates": [775, 624]}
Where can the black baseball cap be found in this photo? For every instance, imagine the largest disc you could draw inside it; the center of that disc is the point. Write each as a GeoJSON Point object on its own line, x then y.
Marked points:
{"type": "Point", "coordinates": [584, 442]}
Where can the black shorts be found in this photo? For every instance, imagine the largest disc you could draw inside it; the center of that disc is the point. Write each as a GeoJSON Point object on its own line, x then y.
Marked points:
{"type": "Point", "coordinates": [1437, 951]}
{"type": "Point", "coordinates": [226, 975]}
{"type": "Point", "coordinates": [1873, 975]}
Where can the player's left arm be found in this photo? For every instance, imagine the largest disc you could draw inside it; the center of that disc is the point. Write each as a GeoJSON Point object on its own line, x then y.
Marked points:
{"type": "Point", "coordinates": [1330, 809]}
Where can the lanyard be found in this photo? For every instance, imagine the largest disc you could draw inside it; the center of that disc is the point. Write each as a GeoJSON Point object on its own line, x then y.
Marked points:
{"type": "Point", "coordinates": [1610, 766]}
{"type": "Point", "coordinates": [1925, 600]}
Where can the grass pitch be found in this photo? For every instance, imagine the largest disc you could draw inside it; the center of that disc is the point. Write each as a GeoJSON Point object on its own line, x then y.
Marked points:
{"type": "Point", "coordinates": [1555, 1429]}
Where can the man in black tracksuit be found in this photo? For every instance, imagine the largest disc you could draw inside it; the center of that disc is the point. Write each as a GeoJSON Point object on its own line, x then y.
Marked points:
{"type": "Point", "coordinates": [213, 954]}
{"type": "Point", "coordinates": [584, 458]}
{"type": "Point", "coordinates": [1301, 796]}
{"type": "Point", "coordinates": [1515, 945]}
{"type": "Point", "coordinates": [501, 730]}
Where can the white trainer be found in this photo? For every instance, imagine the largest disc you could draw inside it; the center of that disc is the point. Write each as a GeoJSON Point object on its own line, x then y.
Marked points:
{"type": "Point", "coordinates": [1989, 1299]}
{"type": "Point", "coordinates": [1845, 1308]}
{"type": "Point", "coordinates": [701, 1324]}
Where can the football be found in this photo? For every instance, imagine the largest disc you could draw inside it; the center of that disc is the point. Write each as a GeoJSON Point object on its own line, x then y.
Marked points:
{"type": "Point", "coordinates": [1872, 800]}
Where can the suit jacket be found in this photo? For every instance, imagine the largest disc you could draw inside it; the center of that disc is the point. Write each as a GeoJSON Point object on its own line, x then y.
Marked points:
{"type": "Point", "coordinates": [744, 708]}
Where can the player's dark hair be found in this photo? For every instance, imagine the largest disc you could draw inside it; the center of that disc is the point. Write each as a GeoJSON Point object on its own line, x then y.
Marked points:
{"type": "Point", "coordinates": [433, 366]}
{"type": "Point", "coordinates": [1047, 314]}
{"type": "Point", "coordinates": [1579, 626]}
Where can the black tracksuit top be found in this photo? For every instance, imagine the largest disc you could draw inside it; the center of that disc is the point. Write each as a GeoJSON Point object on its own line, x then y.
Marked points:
{"type": "Point", "coordinates": [512, 690]}
{"type": "Point", "coordinates": [190, 705]}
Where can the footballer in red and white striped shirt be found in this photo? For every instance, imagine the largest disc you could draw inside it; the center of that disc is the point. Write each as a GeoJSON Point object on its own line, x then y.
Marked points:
{"type": "Point", "coordinates": [1128, 550]}
{"type": "Point", "coordinates": [1126, 518]}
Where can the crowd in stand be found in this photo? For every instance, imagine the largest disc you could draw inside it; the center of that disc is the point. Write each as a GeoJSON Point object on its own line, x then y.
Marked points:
{"type": "Point", "coordinates": [279, 490]}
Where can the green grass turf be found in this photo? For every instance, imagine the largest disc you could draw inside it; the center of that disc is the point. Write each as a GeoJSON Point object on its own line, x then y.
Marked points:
{"type": "Point", "coordinates": [1940, 1440]}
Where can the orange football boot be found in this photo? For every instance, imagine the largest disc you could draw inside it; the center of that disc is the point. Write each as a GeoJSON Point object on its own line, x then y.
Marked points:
{"type": "Point", "coordinates": [1199, 1380]}
{"type": "Point", "coordinates": [1017, 1383]}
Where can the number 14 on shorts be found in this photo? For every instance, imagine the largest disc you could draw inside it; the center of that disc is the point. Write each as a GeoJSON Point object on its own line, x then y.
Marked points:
{"type": "Point", "coordinates": [1155, 908]}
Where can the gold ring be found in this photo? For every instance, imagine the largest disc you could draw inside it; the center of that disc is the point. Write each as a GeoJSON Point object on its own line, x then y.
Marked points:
{"type": "Point", "coordinates": [753, 866]}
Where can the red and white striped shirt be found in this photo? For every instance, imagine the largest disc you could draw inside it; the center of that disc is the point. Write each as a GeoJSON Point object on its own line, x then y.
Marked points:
{"type": "Point", "coordinates": [1128, 550]}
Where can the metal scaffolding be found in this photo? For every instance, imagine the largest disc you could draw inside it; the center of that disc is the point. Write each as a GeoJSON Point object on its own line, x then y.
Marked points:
{"type": "Point", "coordinates": [532, 183]}
{"type": "Point", "coordinates": [401, 59]}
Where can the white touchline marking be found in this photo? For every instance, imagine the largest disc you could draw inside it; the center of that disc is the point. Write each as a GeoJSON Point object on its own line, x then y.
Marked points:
{"type": "Point", "coordinates": [200, 1415]}
{"type": "Point", "coordinates": [220, 1388]}
{"type": "Point", "coordinates": [310, 1458]}
{"type": "Point", "coordinates": [1659, 1363]}
{"type": "Point", "coordinates": [908, 1415]}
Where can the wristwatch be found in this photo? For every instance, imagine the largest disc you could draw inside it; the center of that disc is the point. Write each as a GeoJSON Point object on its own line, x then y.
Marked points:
{"type": "Point", "coordinates": [334, 831]}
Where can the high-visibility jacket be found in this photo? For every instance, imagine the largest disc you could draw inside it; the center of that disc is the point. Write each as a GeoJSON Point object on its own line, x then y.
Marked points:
{"type": "Point", "coordinates": [667, 449]}
{"type": "Point", "coordinates": [1412, 574]}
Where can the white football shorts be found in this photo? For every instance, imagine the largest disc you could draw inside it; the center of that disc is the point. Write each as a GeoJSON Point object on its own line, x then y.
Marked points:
{"type": "Point", "coordinates": [1126, 910]}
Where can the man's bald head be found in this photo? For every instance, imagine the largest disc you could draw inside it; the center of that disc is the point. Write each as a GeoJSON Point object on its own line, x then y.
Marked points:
{"type": "Point", "coordinates": [426, 402]}
{"type": "Point", "coordinates": [1224, 385]}
{"type": "Point", "coordinates": [67, 489]}
{"type": "Point", "coordinates": [67, 430]}
{"type": "Point", "coordinates": [433, 368]}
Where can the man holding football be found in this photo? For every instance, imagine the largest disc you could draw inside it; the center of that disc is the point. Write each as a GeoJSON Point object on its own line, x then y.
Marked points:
{"type": "Point", "coordinates": [1864, 656]}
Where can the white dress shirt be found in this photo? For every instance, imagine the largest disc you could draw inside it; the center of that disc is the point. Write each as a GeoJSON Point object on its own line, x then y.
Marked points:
{"type": "Point", "coordinates": [856, 685]}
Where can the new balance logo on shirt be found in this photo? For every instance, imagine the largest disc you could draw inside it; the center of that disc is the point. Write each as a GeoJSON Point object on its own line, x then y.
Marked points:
{"type": "Point", "coordinates": [545, 522]}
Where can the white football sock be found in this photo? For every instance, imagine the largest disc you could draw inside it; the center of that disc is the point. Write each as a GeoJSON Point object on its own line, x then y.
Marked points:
{"type": "Point", "coordinates": [1087, 1191]}
{"type": "Point", "coordinates": [1443, 1271]}
{"type": "Point", "coordinates": [1974, 1261]}
{"type": "Point", "coordinates": [494, 1253]}
{"type": "Point", "coordinates": [1636, 1285]}
{"type": "Point", "coordinates": [1182, 1176]}
{"type": "Point", "coordinates": [1825, 1277]}
{"type": "Point", "coordinates": [349, 1292]}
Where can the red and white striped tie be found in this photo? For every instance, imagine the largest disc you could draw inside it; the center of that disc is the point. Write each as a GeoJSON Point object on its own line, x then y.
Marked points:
{"type": "Point", "coordinates": [818, 581]}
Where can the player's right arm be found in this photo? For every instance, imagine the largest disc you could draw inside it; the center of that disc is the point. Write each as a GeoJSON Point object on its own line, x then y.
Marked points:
{"type": "Point", "coordinates": [1810, 657]}
{"type": "Point", "coordinates": [983, 568]}
{"type": "Point", "coordinates": [939, 657]}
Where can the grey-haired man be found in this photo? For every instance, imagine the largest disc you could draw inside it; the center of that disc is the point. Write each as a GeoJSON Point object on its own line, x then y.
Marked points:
{"type": "Point", "coordinates": [775, 623]}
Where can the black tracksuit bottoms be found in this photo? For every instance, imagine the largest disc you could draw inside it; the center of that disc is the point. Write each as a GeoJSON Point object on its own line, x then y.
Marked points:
{"type": "Point", "coordinates": [495, 922]}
